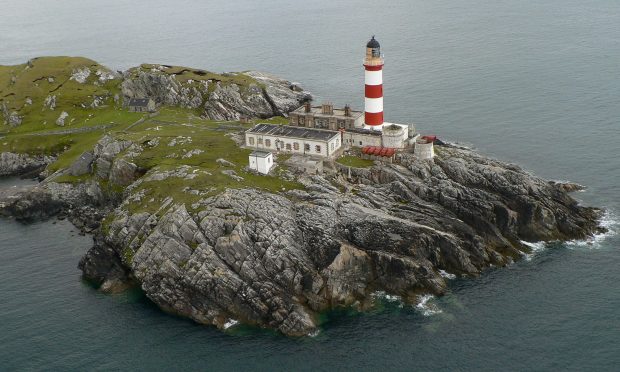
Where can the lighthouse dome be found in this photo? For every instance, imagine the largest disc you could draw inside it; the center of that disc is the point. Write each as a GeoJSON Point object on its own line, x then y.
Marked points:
{"type": "Point", "coordinates": [373, 43]}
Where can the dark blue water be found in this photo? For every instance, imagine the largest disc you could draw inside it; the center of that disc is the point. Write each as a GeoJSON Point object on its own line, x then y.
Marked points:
{"type": "Point", "coordinates": [535, 83]}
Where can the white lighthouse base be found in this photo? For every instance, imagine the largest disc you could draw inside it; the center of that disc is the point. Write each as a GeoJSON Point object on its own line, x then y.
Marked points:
{"type": "Point", "coordinates": [393, 138]}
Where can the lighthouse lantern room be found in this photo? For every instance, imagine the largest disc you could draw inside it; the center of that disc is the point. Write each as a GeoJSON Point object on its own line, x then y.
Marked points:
{"type": "Point", "coordinates": [373, 103]}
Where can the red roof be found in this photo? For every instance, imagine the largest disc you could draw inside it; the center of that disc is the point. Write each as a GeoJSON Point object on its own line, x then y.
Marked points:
{"type": "Point", "coordinates": [378, 151]}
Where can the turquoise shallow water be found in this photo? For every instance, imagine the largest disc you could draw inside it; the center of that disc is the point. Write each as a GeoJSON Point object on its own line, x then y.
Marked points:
{"type": "Point", "coordinates": [533, 83]}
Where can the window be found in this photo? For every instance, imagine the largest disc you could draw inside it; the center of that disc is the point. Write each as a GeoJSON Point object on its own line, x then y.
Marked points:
{"type": "Point", "coordinates": [360, 143]}
{"type": "Point", "coordinates": [331, 146]}
{"type": "Point", "coordinates": [268, 142]}
{"type": "Point", "coordinates": [318, 148]}
{"type": "Point", "coordinates": [296, 146]}
{"type": "Point", "coordinates": [337, 142]}
{"type": "Point", "coordinates": [306, 147]}
{"type": "Point", "coordinates": [288, 146]}
{"type": "Point", "coordinates": [251, 141]}
{"type": "Point", "coordinates": [302, 120]}
{"type": "Point", "coordinates": [259, 141]}
{"type": "Point", "coordinates": [340, 123]}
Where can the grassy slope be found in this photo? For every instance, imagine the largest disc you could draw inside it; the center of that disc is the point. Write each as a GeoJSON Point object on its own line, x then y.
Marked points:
{"type": "Point", "coordinates": [355, 162]}
{"type": "Point", "coordinates": [30, 81]}
{"type": "Point", "coordinates": [39, 134]}
{"type": "Point", "coordinates": [206, 135]}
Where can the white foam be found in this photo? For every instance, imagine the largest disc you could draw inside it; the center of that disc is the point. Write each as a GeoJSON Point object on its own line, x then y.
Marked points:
{"type": "Point", "coordinates": [426, 307]}
{"type": "Point", "coordinates": [230, 323]}
{"type": "Point", "coordinates": [386, 296]}
{"type": "Point", "coordinates": [535, 246]}
{"type": "Point", "coordinates": [314, 333]}
{"type": "Point", "coordinates": [446, 274]}
{"type": "Point", "coordinates": [610, 221]}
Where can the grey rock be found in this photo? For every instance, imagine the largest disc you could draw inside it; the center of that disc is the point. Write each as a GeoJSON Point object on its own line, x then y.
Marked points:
{"type": "Point", "coordinates": [11, 118]}
{"type": "Point", "coordinates": [232, 174]}
{"type": "Point", "coordinates": [278, 260]}
{"type": "Point", "coordinates": [61, 119]}
{"type": "Point", "coordinates": [50, 102]}
{"type": "Point", "coordinates": [104, 152]}
{"type": "Point", "coordinates": [225, 163]}
{"type": "Point", "coordinates": [283, 95]}
{"type": "Point", "coordinates": [12, 164]}
{"type": "Point", "coordinates": [14, 119]}
{"type": "Point", "coordinates": [123, 172]}
{"type": "Point", "coordinates": [227, 101]}
{"type": "Point", "coordinates": [83, 165]}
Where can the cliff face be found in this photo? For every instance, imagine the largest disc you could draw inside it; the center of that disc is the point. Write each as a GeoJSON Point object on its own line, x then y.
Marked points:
{"type": "Point", "coordinates": [227, 96]}
{"type": "Point", "coordinates": [276, 260]}
{"type": "Point", "coordinates": [12, 164]}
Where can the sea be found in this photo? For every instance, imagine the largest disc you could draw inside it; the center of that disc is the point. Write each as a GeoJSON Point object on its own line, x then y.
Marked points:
{"type": "Point", "coordinates": [535, 83]}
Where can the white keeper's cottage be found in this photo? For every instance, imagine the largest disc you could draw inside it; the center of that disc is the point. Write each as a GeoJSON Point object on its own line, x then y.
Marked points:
{"type": "Point", "coordinates": [261, 161]}
{"type": "Point", "coordinates": [295, 140]}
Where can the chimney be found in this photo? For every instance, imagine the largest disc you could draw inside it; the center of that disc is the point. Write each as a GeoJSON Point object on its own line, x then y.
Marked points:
{"type": "Point", "coordinates": [307, 106]}
{"type": "Point", "coordinates": [328, 109]}
{"type": "Point", "coordinates": [347, 110]}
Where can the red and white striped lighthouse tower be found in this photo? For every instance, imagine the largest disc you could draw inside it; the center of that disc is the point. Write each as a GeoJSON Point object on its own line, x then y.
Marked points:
{"type": "Point", "coordinates": [373, 102]}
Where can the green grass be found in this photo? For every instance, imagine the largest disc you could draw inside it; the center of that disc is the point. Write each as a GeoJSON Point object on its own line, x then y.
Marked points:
{"type": "Point", "coordinates": [39, 134]}
{"type": "Point", "coordinates": [355, 162]}
{"type": "Point", "coordinates": [30, 81]}
{"type": "Point", "coordinates": [206, 135]}
{"type": "Point", "coordinates": [69, 146]}
{"type": "Point", "coordinates": [274, 120]}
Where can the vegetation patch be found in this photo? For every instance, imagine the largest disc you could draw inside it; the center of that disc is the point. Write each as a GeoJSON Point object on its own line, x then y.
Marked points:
{"type": "Point", "coordinates": [355, 162]}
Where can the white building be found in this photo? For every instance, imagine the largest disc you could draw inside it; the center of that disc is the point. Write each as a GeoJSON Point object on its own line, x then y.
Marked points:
{"type": "Point", "coordinates": [424, 148]}
{"type": "Point", "coordinates": [295, 140]}
{"type": "Point", "coordinates": [261, 161]}
{"type": "Point", "coordinates": [359, 137]}
{"type": "Point", "coordinates": [395, 136]}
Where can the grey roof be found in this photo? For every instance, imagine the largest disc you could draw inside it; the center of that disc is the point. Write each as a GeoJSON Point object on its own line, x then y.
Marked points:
{"type": "Point", "coordinates": [260, 154]}
{"type": "Point", "coordinates": [365, 131]}
{"type": "Point", "coordinates": [373, 43]}
{"type": "Point", "coordinates": [294, 132]}
{"type": "Point", "coordinates": [139, 102]}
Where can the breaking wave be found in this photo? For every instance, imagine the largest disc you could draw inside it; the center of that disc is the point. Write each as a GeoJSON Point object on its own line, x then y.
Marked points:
{"type": "Point", "coordinates": [610, 222]}
{"type": "Point", "coordinates": [535, 246]}
{"type": "Point", "coordinates": [230, 323]}
{"type": "Point", "coordinates": [446, 274]}
{"type": "Point", "coordinates": [426, 307]}
{"type": "Point", "coordinates": [386, 296]}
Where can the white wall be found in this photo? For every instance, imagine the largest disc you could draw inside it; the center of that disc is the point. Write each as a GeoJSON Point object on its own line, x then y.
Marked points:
{"type": "Point", "coordinates": [324, 145]}
{"type": "Point", "coordinates": [262, 165]}
{"type": "Point", "coordinates": [424, 150]}
{"type": "Point", "coordinates": [365, 139]}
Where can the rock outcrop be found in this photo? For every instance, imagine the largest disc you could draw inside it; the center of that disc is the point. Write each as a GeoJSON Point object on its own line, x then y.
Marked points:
{"type": "Point", "coordinates": [85, 203]}
{"type": "Point", "coordinates": [277, 260]}
{"type": "Point", "coordinates": [12, 164]}
{"type": "Point", "coordinates": [262, 95]}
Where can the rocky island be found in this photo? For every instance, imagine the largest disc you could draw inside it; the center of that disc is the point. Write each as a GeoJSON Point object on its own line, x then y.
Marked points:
{"type": "Point", "coordinates": [174, 210]}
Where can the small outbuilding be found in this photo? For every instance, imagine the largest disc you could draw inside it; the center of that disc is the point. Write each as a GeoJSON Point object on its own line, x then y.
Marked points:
{"type": "Point", "coordinates": [424, 147]}
{"type": "Point", "coordinates": [261, 161]}
{"type": "Point", "coordinates": [141, 105]}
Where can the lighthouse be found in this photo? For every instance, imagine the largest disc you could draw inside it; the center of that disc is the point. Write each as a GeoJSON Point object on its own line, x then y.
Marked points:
{"type": "Point", "coordinates": [373, 77]}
